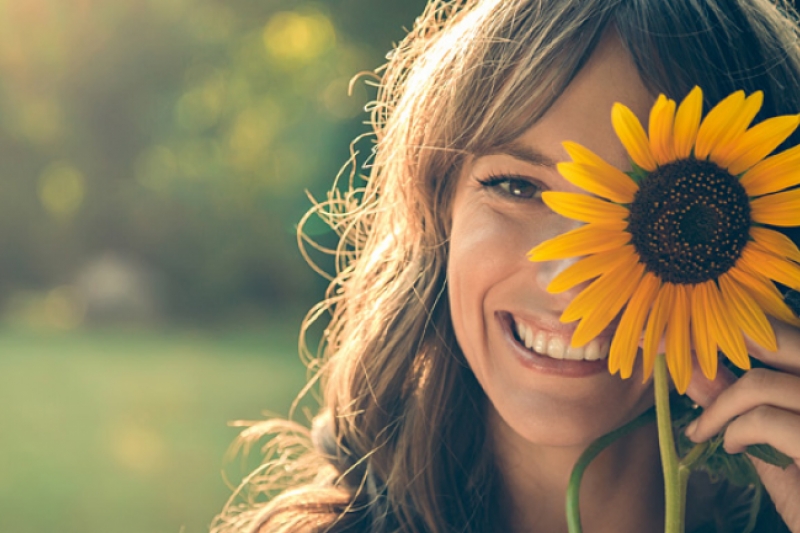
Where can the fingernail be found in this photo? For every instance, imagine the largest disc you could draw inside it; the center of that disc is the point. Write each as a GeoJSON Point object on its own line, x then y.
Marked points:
{"type": "Point", "coordinates": [691, 428]}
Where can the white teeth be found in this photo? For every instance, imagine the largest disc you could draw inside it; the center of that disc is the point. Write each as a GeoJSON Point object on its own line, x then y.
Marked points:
{"type": "Point", "coordinates": [592, 350]}
{"type": "Point", "coordinates": [520, 331]}
{"type": "Point", "coordinates": [540, 343]}
{"type": "Point", "coordinates": [528, 337]}
{"type": "Point", "coordinates": [557, 347]}
{"type": "Point", "coordinates": [576, 354]}
{"type": "Point", "coordinates": [525, 335]}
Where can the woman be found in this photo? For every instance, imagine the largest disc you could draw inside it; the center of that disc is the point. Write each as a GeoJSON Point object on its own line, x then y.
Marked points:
{"type": "Point", "coordinates": [436, 417]}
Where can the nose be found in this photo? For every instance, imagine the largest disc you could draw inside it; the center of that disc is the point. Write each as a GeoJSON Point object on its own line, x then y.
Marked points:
{"type": "Point", "coordinates": [547, 271]}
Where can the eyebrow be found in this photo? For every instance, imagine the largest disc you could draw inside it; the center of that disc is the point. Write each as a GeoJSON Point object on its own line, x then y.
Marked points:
{"type": "Point", "coordinates": [523, 152]}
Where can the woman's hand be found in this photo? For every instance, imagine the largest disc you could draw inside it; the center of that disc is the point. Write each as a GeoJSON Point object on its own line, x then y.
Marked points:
{"type": "Point", "coordinates": [761, 407]}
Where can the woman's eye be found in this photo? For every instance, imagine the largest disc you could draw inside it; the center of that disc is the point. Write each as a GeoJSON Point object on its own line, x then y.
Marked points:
{"type": "Point", "coordinates": [514, 187]}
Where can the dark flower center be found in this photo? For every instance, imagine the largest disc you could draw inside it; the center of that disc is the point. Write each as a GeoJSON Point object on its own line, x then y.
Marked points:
{"type": "Point", "coordinates": [690, 221]}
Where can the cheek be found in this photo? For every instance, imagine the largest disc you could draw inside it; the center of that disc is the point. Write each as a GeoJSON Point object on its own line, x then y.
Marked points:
{"type": "Point", "coordinates": [486, 250]}
{"type": "Point", "coordinates": [485, 240]}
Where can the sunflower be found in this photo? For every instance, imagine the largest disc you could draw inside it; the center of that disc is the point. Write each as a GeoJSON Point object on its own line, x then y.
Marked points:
{"type": "Point", "coordinates": [684, 241]}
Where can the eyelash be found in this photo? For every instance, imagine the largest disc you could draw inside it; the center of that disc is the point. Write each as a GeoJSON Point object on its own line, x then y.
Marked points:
{"type": "Point", "coordinates": [495, 182]}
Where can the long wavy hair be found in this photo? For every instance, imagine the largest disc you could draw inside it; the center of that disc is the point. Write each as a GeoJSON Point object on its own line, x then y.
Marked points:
{"type": "Point", "coordinates": [399, 444]}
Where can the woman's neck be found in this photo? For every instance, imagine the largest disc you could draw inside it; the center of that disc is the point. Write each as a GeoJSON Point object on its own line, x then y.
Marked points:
{"type": "Point", "coordinates": [622, 490]}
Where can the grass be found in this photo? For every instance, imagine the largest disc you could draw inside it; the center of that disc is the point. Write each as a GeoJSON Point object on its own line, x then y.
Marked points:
{"type": "Point", "coordinates": [125, 431]}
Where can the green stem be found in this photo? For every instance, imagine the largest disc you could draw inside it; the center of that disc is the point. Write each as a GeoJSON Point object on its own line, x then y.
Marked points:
{"type": "Point", "coordinates": [675, 477]}
{"type": "Point", "coordinates": [697, 453]}
{"type": "Point", "coordinates": [594, 449]}
{"type": "Point", "coordinates": [755, 505]}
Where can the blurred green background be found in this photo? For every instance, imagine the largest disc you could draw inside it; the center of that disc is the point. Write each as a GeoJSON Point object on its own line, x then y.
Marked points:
{"type": "Point", "coordinates": [154, 158]}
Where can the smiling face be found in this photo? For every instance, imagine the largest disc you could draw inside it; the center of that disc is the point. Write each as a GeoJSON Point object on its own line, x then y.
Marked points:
{"type": "Point", "coordinates": [499, 302]}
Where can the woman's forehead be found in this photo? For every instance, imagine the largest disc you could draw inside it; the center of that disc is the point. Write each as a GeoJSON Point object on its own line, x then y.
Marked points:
{"type": "Point", "coordinates": [582, 112]}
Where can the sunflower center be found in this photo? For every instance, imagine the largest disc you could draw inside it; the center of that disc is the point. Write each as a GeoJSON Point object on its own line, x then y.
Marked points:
{"type": "Point", "coordinates": [689, 221]}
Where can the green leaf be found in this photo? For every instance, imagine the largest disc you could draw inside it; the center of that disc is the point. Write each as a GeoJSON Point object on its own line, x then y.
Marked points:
{"type": "Point", "coordinates": [770, 455]}
{"type": "Point", "coordinates": [637, 174]}
{"type": "Point", "coordinates": [736, 468]}
{"type": "Point", "coordinates": [718, 463]}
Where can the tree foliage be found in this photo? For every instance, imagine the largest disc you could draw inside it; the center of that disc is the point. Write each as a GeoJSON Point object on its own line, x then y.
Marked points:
{"type": "Point", "coordinates": [180, 134]}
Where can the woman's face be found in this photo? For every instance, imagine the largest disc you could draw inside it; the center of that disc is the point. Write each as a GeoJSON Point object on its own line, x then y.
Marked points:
{"type": "Point", "coordinates": [557, 396]}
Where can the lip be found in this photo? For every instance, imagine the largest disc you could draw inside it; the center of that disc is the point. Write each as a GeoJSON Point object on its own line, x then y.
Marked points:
{"type": "Point", "coordinates": [542, 363]}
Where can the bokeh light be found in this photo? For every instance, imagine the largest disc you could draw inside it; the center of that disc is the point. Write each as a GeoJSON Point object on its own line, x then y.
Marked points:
{"type": "Point", "coordinates": [154, 162]}
{"type": "Point", "coordinates": [61, 189]}
{"type": "Point", "coordinates": [298, 37]}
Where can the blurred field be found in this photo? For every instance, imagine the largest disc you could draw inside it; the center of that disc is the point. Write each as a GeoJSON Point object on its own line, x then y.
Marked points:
{"type": "Point", "coordinates": [125, 431]}
{"type": "Point", "coordinates": [154, 162]}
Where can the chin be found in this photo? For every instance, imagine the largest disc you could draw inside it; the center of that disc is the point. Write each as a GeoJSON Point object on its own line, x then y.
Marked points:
{"type": "Point", "coordinates": [569, 422]}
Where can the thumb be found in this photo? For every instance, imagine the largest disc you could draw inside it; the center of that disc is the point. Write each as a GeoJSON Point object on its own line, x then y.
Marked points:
{"type": "Point", "coordinates": [704, 391]}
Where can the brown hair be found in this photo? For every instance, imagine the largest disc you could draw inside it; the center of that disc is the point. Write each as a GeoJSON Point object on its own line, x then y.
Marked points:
{"type": "Point", "coordinates": [399, 444]}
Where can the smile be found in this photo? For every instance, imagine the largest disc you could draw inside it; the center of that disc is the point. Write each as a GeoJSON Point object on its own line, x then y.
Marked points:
{"type": "Point", "coordinates": [543, 346]}
{"type": "Point", "coordinates": [556, 345]}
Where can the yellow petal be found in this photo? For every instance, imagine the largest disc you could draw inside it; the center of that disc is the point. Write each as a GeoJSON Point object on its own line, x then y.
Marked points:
{"type": "Point", "coordinates": [631, 134]}
{"type": "Point", "coordinates": [725, 330]}
{"type": "Point", "coordinates": [584, 156]}
{"type": "Point", "coordinates": [732, 136]}
{"type": "Point", "coordinates": [580, 154]}
{"type": "Point", "coordinates": [611, 184]}
{"type": "Point", "coordinates": [662, 116]}
{"type": "Point", "coordinates": [773, 174]}
{"type": "Point", "coordinates": [679, 355]}
{"type": "Point", "coordinates": [622, 183]}
{"type": "Point", "coordinates": [779, 209]}
{"type": "Point", "coordinates": [656, 324]}
{"type": "Point", "coordinates": [746, 312]}
{"type": "Point", "coordinates": [718, 120]}
{"type": "Point", "coordinates": [775, 242]}
{"type": "Point", "coordinates": [584, 207]}
{"type": "Point", "coordinates": [758, 142]}
{"type": "Point", "coordinates": [704, 344]}
{"type": "Point", "coordinates": [687, 120]}
{"type": "Point", "coordinates": [585, 240]}
{"type": "Point", "coordinates": [765, 294]}
{"type": "Point", "coordinates": [761, 262]}
{"type": "Point", "coordinates": [625, 343]}
{"type": "Point", "coordinates": [599, 292]}
{"type": "Point", "coordinates": [588, 268]}
{"type": "Point", "coordinates": [600, 315]}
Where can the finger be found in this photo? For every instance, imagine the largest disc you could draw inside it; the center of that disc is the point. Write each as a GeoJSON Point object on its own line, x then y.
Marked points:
{"type": "Point", "coordinates": [758, 387]}
{"type": "Point", "coordinates": [704, 391]}
{"type": "Point", "coordinates": [765, 425]}
{"type": "Point", "coordinates": [787, 357]}
{"type": "Point", "coordinates": [783, 486]}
